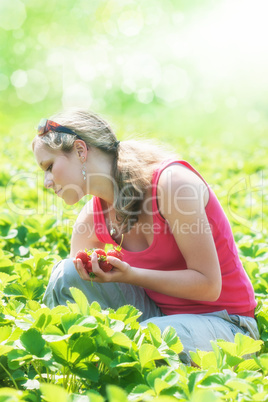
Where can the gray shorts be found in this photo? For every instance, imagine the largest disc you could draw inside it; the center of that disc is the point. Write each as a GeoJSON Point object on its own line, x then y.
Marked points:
{"type": "Point", "coordinates": [194, 330]}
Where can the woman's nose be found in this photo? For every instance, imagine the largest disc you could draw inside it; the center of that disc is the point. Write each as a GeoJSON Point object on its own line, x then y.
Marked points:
{"type": "Point", "coordinates": [48, 182]}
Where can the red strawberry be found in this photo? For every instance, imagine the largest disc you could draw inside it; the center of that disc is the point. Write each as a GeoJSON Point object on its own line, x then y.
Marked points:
{"type": "Point", "coordinates": [105, 266]}
{"type": "Point", "coordinates": [83, 256]}
{"type": "Point", "coordinates": [116, 251]}
{"type": "Point", "coordinates": [88, 266]}
{"type": "Point", "coordinates": [101, 254]}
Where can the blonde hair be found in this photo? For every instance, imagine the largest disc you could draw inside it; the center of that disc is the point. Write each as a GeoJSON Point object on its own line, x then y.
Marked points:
{"type": "Point", "coordinates": [133, 160]}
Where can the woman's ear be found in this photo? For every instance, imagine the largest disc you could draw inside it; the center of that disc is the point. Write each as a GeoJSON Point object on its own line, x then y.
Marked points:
{"type": "Point", "coordinates": [80, 148]}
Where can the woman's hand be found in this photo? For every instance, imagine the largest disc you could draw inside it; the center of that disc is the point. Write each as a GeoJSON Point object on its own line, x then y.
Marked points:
{"type": "Point", "coordinates": [121, 272]}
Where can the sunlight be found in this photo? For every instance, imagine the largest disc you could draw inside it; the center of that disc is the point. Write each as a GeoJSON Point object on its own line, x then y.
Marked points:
{"type": "Point", "coordinates": [230, 37]}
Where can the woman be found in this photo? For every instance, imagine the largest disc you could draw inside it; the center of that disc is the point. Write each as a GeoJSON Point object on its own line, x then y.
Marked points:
{"type": "Point", "coordinates": [181, 265]}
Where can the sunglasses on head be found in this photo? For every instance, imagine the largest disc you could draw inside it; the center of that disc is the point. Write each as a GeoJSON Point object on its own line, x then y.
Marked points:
{"type": "Point", "coordinates": [46, 125]}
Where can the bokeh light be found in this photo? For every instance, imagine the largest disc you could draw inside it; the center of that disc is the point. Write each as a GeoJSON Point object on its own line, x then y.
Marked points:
{"type": "Point", "coordinates": [200, 66]}
{"type": "Point", "coordinates": [12, 14]}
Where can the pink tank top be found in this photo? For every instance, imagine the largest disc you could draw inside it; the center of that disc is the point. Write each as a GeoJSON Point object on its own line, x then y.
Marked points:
{"type": "Point", "coordinates": [237, 295]}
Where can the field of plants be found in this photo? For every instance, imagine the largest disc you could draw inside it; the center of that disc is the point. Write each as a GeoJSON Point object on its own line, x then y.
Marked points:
{"type": "Point", "coordinates": [79, 352]}
{"type": "Point", "coordinates": [189, 74]}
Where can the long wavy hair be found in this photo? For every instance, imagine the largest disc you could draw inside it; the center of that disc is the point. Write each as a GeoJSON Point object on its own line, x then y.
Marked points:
{"type": "Point", "coordinates": [133, 160]}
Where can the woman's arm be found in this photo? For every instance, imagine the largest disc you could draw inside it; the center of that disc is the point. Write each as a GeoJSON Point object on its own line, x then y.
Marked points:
{"type": "Point", "coordinates": [182, 200]}
{"type": "Point", "coordinates": [182, 197]}
{"type": "Point", "coordinates": [83, 235]}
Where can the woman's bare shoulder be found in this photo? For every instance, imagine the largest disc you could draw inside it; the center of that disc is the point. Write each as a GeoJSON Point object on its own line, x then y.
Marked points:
{"type": "Point", "coordinates": [182, 181]}
{"type": "Point", "coordinates": [178, 172]}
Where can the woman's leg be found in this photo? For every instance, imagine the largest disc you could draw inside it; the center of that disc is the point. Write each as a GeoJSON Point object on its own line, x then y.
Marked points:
{"type": "Point", "coordinates": [113, 295]}
{"type": "Point", "coordinates": [194, 330]}
{"type": "Point", "coordinates": [197, 330]}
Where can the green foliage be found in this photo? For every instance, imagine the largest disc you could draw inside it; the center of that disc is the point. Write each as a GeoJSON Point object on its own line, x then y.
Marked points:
{"type": "Point", "coordinates": [106, 355]}
{"type": "Point", "coordinates": [81, 351]}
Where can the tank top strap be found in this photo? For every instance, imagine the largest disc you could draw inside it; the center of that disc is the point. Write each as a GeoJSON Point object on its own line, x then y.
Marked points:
{"type": "Point", "coordinates": [101, 230]}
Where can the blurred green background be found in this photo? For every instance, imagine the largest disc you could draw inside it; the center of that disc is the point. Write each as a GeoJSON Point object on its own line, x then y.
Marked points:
{"type": "Point", "coordinates": [170, 69]}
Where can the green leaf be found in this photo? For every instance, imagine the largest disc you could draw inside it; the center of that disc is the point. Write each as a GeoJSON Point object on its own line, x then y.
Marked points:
{"type": "Point", "coordinates": [160, 385]}
{"type": "Point", "coordinates": [52, 393]}
{"type": "Point", "coordinates": [105, 354]}
{"type": "Point", "coordinates": [205, 395]}
{"type": "Point", "coordinates": [43, 321]}
{"type": "Point", "coordinates": [124, 360]}
{"type": "Point", "coordinates": [249, 364]}
{"type": "Point", "coordinates": [87, 324]}
{"type": "Point", "coordinates": [49, 224]}
{"type": "Point", "coordinates": [95, 306]}
{"type": "Point", "coordinates": [105, 332]}
{"type": "Point", "coordinates": [22, 233]}
{"type": "Point", "coordinates": [262, 362]}
{"type": "Point", "coordinates": [130, 313]}
{"type": "Point", "coordinates": [93, 396]}
{"type": "Point", "coordinates": [116, 325]}
{"type": "Point", "coordinates": [15, 289]}
{"type": "Point", "coordinates": [60, 352]}
{"type": "Point", "coordinates": [78, 329]}
{"type": "Point", "coordinates": [67, 320]}
{"type": "Point", "coordinates": [207, 360]}
{"type": "Point", "coordinates": [86, 370]}
{"type": "Point", "coordinates": [5, 349]}
{"type": "Point", "coordinates": [32, 237]}
{"type": "Point", "coordinates": [5, 263]}
{"type": "Point", "coordinates": [115, 393]}
{"type": "Point", "coordinates": [51, 338]}
{"type": "Point", "coordinates": [9, 395]}
{"type": "Point", "coordinates": [172, 340]}
{"type": "Point", "coordinates": [228, 347]}
{"type": "Point", "coordinates": [148, 353]}
{"type": "Point", "coordinates": [81, 300]}
{"type": "Point", "coordinates": [53, 330]}
{"type": "Point", "coordinates": [57, 312]}
{"type": "Point", "coordinates": [33, 342]}
{"type": "Point", "coordinates": [11, 234]}
{"type": "Point", "coordinates": [241, 385]}
{"type": "Point", "coordinates": [140, 391]}
{"type": "Point", "coordinates": [32, 223]}
{"type": "Point", "coordinates": [195, 378]}
{"type": "Point", "coordinates": [161, 378]}
{"type": "Point", "coordinates": [34, 289]}
{"type": "Point", "coordinates": [33, 305]}
{"type": "Point", "coordinates": [84, 346]}
{"type": "Point", "coordinates": [18, 357]}
{"type": "Point", "coordinates": [5, 332]}
{"type": "Point", "coordinates": [155, 334]}
{"type": "Point", "coordinates": [247, 345]}
{"type": "Point", "coordinates": [121, 339]}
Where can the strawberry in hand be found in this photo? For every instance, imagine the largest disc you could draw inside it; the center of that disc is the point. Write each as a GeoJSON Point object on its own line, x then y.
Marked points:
{"type": "Point", "coordinates": [85, 257]}
{"type": "Point", "coordinates": [116, 251]}
{"type": "Point", "coordinates": [102, 260]}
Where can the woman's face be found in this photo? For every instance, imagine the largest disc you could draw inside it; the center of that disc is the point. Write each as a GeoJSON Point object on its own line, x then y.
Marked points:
{"type": "Point", "coordinates": [63, 172]}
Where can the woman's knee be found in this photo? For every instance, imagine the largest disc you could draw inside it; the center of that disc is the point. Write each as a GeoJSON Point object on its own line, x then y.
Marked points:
{"type": "Point", "coordinates": [63, 276]}
{"type": "Point", "coordinates": [65, 271]}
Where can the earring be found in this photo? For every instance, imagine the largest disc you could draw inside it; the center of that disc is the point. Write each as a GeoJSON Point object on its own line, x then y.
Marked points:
{"type": "Point", "coordinates": [84, 171]}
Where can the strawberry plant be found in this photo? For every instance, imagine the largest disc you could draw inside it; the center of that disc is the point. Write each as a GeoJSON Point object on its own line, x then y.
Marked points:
{"type": "Point", "coordinates": [81, 352]}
